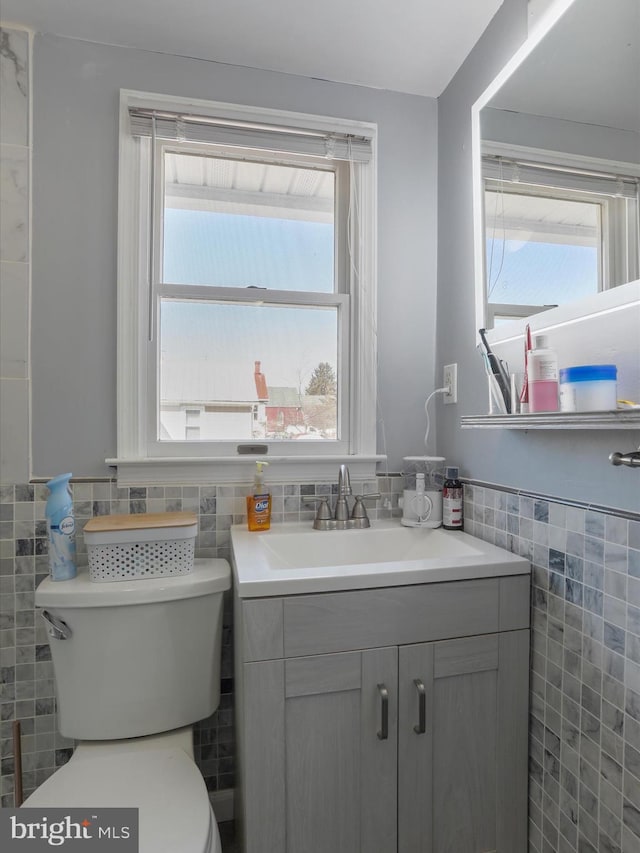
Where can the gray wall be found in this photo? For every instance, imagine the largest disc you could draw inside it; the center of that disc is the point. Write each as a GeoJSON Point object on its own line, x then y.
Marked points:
{"type": "Point", "coordinates": [569, 464]}
{"type": "Point", "coordinates": [75, 166]}
{"type": "Point", "coordinates": [572, 137]}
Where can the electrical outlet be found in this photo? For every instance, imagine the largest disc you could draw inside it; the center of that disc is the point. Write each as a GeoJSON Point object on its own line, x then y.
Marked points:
{"type": "Point", "coordinates": [450, 381]}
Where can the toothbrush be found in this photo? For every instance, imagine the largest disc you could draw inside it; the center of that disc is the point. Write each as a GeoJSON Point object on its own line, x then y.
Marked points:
{"type": "Point", "coordinates": [524, 394]}
{"type": "Point", "coordinates": [497, 369]}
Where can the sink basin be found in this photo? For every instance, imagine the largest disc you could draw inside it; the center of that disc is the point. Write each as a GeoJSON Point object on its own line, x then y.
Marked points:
{"type": "Point", "coordinates": [294, 558]}
{"type": "Point", "coordinates": [300, 550]}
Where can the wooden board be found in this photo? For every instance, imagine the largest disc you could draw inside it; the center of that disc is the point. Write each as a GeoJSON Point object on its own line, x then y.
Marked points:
{"type": "Point", "coordinates": [140, 521]}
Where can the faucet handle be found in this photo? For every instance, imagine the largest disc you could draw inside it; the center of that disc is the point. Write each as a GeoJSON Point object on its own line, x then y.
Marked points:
{"type": "Point", "coordinates": [324, 511]}
{"type": "Point", "coordinates": [359, 509]}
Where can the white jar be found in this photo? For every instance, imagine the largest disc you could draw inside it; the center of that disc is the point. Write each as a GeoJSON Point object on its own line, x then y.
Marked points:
{"type": "Point", "coordinates": [588, 388]}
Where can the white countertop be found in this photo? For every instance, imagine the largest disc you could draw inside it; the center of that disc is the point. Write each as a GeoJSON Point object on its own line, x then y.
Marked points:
{"type": "Point", "coordinates": [294, 559]}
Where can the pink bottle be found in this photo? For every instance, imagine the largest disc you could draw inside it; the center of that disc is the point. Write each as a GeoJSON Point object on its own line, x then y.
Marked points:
{"type": "Point", "coordinates": [542, 372]}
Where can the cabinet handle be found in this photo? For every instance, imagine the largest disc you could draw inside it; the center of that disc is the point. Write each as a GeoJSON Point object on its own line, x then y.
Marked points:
{"type": "Point", "coordinates": [383, 734]}
{"type": "Point", "coordinates": [421, 728]}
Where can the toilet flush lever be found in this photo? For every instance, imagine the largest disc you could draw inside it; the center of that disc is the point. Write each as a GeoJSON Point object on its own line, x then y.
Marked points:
{"type": "Point", "coordinates": [58, 629]}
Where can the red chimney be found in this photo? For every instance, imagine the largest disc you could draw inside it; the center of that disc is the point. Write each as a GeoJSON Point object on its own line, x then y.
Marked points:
{"type": "Point", "coordinates": [261, 383]}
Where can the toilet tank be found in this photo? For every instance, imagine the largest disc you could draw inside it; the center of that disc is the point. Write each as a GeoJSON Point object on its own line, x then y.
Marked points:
{"type": "Point", "coordinates": [140, 656]}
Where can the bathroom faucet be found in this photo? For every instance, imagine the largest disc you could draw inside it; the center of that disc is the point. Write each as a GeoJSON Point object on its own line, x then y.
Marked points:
{"type": "Point", "coordinates": [341, 512]}
{"type": "Point", "coordinates": [342, 519]}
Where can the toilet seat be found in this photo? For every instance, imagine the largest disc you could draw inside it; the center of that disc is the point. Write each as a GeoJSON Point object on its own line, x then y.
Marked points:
{"type": "Point", "coordinates": [164, 784]}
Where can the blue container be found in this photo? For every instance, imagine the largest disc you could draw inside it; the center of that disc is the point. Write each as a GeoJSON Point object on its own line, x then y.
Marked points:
{"type": "Point", "coordinates": [588, 388]}
{"type": "Point", "coordinates": [61, 528]}
{"type": "Point", "coordinates": [589, 373]}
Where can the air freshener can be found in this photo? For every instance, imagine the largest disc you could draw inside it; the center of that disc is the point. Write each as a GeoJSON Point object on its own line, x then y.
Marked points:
{"type": "Point", "coordinates": [61, 528]}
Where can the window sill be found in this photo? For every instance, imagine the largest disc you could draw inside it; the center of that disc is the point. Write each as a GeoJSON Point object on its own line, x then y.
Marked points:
{"type": "Point", "coordinates": [232, 469]}
{"type": "Point", "coordinates": [623, 419]}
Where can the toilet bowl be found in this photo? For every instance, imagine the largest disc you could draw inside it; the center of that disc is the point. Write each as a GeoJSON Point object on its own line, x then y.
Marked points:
{"type": "Point", "coordinates": [157, 777]}
{"type": "Point", "coordinates": [136, 664]}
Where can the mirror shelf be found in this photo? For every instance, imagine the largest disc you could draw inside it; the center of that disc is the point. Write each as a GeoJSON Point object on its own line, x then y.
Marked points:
{"type": "Point", "coordinates": [622, 419]}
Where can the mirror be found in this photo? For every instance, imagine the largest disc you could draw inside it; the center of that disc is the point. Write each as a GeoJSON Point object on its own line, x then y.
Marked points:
{"type": "Point", "coordinates": [557, 163]}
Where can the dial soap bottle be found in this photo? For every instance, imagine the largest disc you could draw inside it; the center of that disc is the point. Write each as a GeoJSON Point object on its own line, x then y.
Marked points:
{"type": "Point", "coordinates": [259, 502]}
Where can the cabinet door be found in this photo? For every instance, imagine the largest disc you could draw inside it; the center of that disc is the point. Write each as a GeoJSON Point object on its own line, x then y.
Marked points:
{"type": "Point", "coordinates": [332, 777]}
{"type": "Point", "coordinates": [462, 778]}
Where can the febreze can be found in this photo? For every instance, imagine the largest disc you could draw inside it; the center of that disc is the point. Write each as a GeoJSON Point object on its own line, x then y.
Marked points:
{"type": "Point", "coordinates": [61, 528]}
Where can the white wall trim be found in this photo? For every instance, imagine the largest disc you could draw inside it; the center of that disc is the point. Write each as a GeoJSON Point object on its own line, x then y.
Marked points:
{"type": "Point", "coordinates": [239, 469]}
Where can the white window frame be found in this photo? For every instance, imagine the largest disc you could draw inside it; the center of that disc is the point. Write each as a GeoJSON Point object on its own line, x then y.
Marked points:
{"type": "Point", "coordinates": [338, 299]}
{"type": "Point", "coordinates": [138, 460]}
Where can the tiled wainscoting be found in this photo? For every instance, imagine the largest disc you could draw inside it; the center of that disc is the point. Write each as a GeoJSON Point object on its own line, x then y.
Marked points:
{"type": "Point", "coordinates": [26, 677]}
{"type": "Point", "coordinates": [585, 671]}
{"type": "Point", "coordinates": [584, 753]}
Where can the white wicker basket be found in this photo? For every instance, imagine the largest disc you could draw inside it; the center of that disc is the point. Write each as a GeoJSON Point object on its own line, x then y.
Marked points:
{"type": "Point", "coordinates": [145, 545]}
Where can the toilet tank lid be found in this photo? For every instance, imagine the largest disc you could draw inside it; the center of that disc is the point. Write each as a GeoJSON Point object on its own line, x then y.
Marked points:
{"type": "Point", "coordinates": [207, 576]}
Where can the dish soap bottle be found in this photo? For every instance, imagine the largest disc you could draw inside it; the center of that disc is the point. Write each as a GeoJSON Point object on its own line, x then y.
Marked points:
{"type": "Point", "coordinates": [452, 499]}
{"type": "Point", "coordinates": [259, 502]}
{"type": "Point", "coordinates": [61, 528]}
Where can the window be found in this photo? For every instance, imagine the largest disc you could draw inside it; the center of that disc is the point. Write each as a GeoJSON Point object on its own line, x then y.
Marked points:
{"type": "Point", "coordinates": [554, 235]}
{"type": "Point", "coordinates": [246, 245]}
{"type": "Point", "coordinates": [232, 226]}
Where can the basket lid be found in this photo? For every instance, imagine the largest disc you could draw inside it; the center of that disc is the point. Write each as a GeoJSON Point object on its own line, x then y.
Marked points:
{"type": "Point", "coordinates": [139, 521]}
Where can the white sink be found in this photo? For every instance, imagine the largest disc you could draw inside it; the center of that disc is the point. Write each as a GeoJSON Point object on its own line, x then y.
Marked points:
{"type": "Point", "coordinates": [294, 558]}
{"type": "Point", "coordinates": [353, 548]}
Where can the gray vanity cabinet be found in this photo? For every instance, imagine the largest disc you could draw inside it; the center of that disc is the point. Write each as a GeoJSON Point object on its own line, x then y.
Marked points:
{"type": "Point", "coordinates": [462, 761]}
{"type": "Point", "coordinates": [332, 779]}
{"type": "Point", "coordinates": [414, 743]}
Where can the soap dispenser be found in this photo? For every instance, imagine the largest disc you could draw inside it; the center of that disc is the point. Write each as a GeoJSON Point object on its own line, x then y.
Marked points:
{"type": "Point", "coordinates": [259, 502]}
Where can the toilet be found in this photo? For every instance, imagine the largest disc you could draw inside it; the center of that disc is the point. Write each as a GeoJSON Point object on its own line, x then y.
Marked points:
{"type": "Point", "coordinates": [136, 664]}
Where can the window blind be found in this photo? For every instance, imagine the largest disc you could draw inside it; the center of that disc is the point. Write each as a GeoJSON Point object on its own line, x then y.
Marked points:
{"type": "Point", "coordinates": [239, 134]}
{"type": "Point", "coordinates": [543, 175]}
